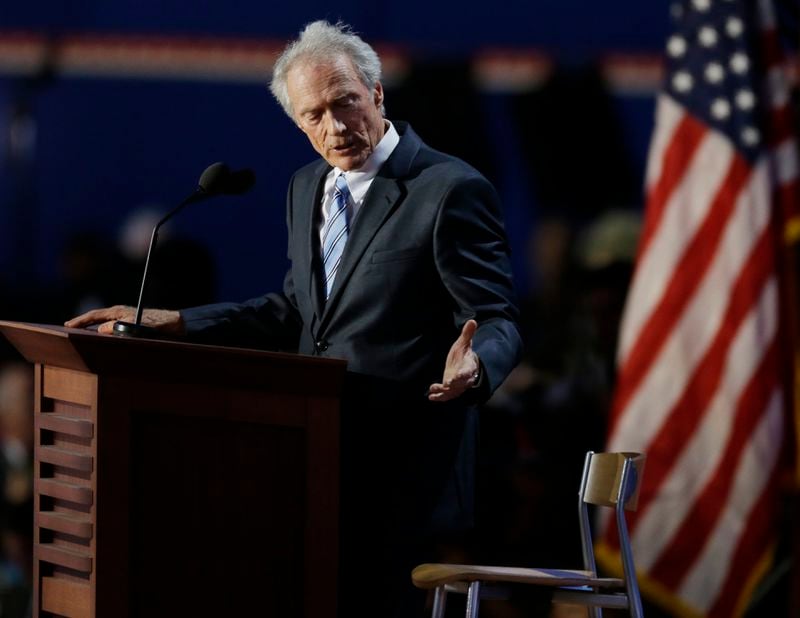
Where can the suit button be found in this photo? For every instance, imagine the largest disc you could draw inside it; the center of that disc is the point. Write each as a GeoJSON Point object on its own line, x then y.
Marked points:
{"type": "Point", "coordinates": [321, 345]}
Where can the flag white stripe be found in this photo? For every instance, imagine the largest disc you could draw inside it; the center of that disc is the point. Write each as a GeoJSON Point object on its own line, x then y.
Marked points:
{"type": "Point", "coordinates": [766, 14]}
{"type": "Point", "coordinates": [784, 157]}
{"type": "Point", "coordinates": [697, 463]}
{"type": "Point", "coordinates": [685, 211]}
{"type": "Point", "coordinates": [663, 385]}
{"type": "Point", "coordinates": [777, 88]}
{"type": "Point", "coordinates": [702, 584]}
{"type": "Point", "coordinates": [668, 116]}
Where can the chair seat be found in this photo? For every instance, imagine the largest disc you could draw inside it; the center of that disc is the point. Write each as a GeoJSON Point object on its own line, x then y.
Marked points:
{"type": "Point", "coordinates": [433, 575]}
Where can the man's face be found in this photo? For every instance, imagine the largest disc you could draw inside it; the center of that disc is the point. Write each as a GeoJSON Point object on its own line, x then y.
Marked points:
{"type": "Point", "coordinates": [339, 114]}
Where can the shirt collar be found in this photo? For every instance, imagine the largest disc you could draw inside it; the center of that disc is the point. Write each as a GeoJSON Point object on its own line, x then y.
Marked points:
{"type": "Point", "coordinates": [364, 175]}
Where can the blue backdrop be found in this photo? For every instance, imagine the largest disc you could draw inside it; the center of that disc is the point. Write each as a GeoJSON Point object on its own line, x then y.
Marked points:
{"type": "Point", "coordinates": [104, 145]}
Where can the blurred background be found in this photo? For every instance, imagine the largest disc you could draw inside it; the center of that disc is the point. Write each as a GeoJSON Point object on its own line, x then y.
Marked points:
{"type": "Point", "coordinates": [111, 109]}
{"type": "Point", "coordinates": [109, 112]}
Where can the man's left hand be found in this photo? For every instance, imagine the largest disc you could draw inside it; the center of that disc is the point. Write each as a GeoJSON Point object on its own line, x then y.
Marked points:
{"type": "Point", "coordinates": [462, 369]}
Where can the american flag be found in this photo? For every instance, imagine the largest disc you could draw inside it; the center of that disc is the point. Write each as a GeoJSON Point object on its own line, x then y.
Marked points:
{"type": "Point", "coordinates": [702, 354]}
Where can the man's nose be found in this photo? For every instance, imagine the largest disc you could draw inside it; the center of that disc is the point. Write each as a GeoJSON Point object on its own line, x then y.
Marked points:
{"type": "Point", "coordinates": [335, 125]}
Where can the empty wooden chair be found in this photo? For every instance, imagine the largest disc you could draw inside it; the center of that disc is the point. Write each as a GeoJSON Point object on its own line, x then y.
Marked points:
{"type": "Point", "coordinates": [609, 480]}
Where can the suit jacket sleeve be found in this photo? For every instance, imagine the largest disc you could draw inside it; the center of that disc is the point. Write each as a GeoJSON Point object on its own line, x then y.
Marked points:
{"type": "Point", "coordinates": [271, 321]}
{"type": "Point", "coordinates": [472, 256]}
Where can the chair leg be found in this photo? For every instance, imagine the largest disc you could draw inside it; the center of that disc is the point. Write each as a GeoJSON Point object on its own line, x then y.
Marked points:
{"type": "Point", "coordinates": [473, 599]}
{"type": "Point", "coordinates": [439, 602]}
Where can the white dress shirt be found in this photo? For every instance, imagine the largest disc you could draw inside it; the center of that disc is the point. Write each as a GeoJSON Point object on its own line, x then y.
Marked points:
{"type": "Point", "coordinates": [360, 180]}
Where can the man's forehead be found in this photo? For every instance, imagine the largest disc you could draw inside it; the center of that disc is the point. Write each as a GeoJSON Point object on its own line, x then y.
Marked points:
{"type": "Point", "coordinates": [317, 80]}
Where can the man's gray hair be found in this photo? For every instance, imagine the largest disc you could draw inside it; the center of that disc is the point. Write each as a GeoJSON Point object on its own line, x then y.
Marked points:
{"type": "Point", "coordinates": [321, 40]}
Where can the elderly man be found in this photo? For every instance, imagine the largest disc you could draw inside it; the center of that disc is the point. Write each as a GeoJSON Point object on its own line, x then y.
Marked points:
{"type": "Point", "coordinates": [399, 264]}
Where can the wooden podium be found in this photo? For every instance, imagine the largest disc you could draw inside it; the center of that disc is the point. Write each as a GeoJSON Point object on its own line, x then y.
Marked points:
{"type": "Point", "coordinates": [174, 479]}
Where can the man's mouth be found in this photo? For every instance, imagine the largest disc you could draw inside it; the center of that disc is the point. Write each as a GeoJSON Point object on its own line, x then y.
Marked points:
{"type": "Point", "coordinates": [344, 147]}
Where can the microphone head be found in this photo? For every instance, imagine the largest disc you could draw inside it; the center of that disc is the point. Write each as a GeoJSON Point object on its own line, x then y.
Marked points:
{"type": "Point", "coordinates": [213, 178]}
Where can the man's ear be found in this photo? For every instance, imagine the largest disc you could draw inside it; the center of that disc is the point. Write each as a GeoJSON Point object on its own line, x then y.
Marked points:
{"type": "Point", "coordinates": [378, 94]}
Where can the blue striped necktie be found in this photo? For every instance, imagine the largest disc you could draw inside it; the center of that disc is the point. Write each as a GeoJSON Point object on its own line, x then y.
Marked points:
{"type": "Point", "coordinates": [334, 236]}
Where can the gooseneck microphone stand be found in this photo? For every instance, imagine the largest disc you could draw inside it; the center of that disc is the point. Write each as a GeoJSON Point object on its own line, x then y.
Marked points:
{"type": "Point", "coordinates": [217, 179]}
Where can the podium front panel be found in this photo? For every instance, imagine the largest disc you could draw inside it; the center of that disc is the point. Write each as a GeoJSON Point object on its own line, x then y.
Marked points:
{"type": "Point", "coordinates": [173, 493]}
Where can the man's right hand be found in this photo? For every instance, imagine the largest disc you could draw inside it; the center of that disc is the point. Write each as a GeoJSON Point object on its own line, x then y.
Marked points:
{"type": "Point", "coordinates": [161, 319]}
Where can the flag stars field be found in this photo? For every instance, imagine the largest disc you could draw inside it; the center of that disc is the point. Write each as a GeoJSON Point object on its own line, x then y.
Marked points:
{"type": "Point", "coordinates": [682, 81]}
{"type": "Point", "coordinates": [739, 63]}
{"type": "Point", "coordinates": [745, 100]}
{"type": "Point", "coordinates": [751, 136]}
{"type": "Point", "coordinates": [734, 27]}
{"type": "Point", "coordinates": [708, 36]}
{"type": "Point", "coordinates": [714, 73]}
{"type": "Point", "coordinates": [676, 46]}
{"type": "Point", "coordinates": [720, 109]}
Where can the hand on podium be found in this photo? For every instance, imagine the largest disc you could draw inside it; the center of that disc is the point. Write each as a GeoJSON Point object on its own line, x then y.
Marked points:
{"type": "Point", "coordinates": [163, 320]}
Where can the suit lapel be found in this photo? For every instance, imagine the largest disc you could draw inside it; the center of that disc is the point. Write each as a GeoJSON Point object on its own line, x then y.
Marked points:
{"type": "Point", "coordinates": [309, 199]}
{"type": "Point", "coordinates": [379, 203]}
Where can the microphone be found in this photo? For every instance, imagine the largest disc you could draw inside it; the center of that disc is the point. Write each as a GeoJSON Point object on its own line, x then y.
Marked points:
{"type": "Point", "coordinates": [216, 179]}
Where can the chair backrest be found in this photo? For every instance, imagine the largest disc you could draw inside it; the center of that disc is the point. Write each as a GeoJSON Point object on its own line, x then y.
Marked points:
{"type": "Point", "coordinates": [602, 480]}
{"type": "Point", "coordinates": [613, 480]}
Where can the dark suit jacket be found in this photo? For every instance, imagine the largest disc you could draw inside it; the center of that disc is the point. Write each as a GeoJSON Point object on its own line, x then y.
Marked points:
{"type": "Point", "coordinates": [426, 252]}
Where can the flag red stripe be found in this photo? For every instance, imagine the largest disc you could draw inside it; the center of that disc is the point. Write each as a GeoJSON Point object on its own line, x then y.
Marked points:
{"type": "Point", "coordinates": [771, 49]}
{"type": "Point", "coordinates": [685, 140]}
{"type": "Point", "coordinates": [786, 196]}
{"type": "Point", "coordinates": [781, 125]}
{"type": "Point", "coordinates": [684, 281]}
{"type": "Point", "coordinates": [686, 415]}
{"type": "Point", "coordinates": [758, 533]}
{"type": "Point", "coordinates": [688, 542]}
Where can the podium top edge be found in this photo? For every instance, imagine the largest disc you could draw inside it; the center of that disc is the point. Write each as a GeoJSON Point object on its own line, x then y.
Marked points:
{"type": "Point", "coordinates": [145, 361]}
{"type": "Point", "coordinates": [80, 334]}
{"type": "Point", "coordinates": [50, 329]}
